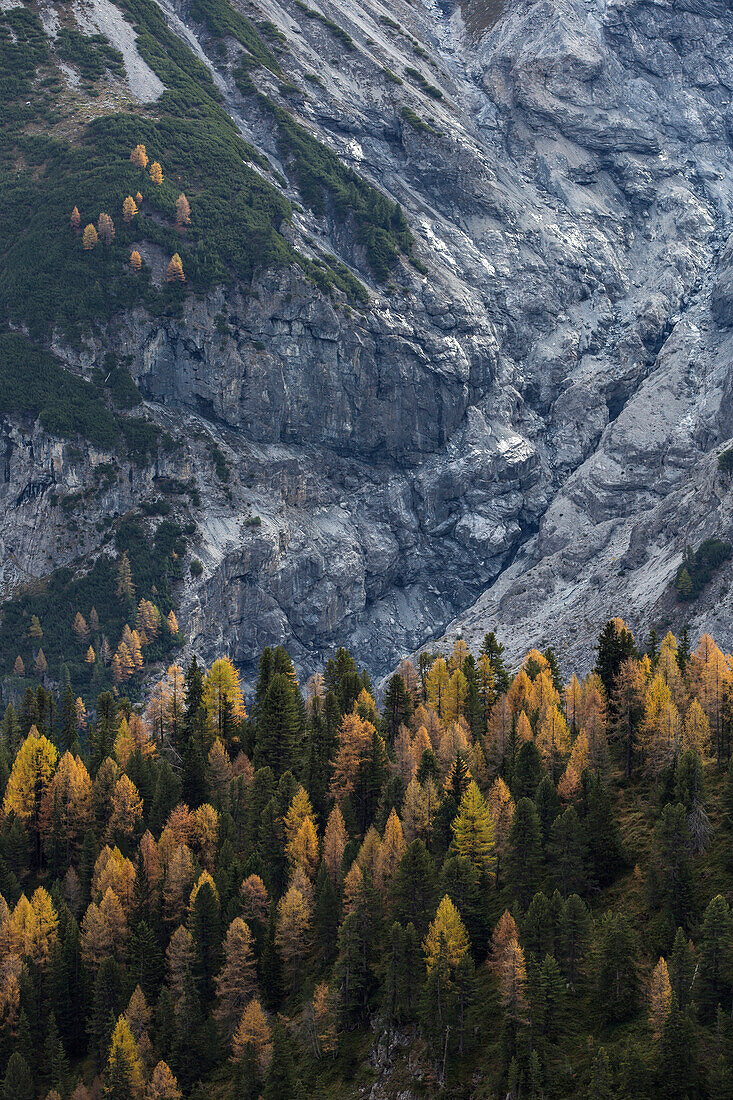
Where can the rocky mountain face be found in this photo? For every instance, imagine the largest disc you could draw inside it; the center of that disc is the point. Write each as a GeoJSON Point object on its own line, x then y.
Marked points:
{"type": "Point", "coordinates": [520, 432]}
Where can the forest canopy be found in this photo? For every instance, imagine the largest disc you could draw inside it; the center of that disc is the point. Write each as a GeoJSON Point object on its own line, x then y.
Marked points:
{"type": "Point", "coordinates": [505, 883]}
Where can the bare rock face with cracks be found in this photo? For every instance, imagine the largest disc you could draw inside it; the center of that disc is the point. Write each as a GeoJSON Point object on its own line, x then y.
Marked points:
{"type": "Point", "coordinates": [519, 430]}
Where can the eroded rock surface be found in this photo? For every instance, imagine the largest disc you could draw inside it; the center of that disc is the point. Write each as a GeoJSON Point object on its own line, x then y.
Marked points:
{"type": "Point", "coordinates": [522, 439]}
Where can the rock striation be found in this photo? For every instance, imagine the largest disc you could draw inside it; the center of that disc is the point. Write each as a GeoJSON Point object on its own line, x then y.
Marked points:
{"type": "Point", "coordinates": [523, 436]}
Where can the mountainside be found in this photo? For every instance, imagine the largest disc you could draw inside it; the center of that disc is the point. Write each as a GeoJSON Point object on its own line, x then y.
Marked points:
{"type": "Point", "coordinates": [482, 353]}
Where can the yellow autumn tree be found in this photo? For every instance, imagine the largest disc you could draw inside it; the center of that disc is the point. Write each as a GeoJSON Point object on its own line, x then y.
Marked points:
{"type": "Point", "coordinates": [553, 737]}
{"type": "Point", "coordinates": [446, 935]}
{"type": "Point", "coordinates": [660, 998]}
{"type": "Point", "coordinates": [696, 734]}
{"type": "Point", "coordinates": [183, 211]}
{"type": "Point", "coordinates": [129, 209]}
{"type": "Point", "coordinates": [30, 777]}
{"type": "Point", "coordinates": [163, 1085]}
{"type": "Point", "coordinates": [253, 1033]}
{"type": "Point", "coordinates": [174, 271]}
{"type": "Point", "coordinates": [505, 931]}
{"type": "Point", "coordinates": [89, 238]}
{"type": "Point", "coordinates": [436, 686]}
{"type": "Point", "coordinates": [75, 219]}
{"type": "Point", "coordinates": [335, 840]}
{"type": "Point", "coordinates": [139, 156]}
{"type": "Point", "coordinates": [473, 831]}
{"type": "Point", "coordinates": [455, 696]}
{"type": "Point", "coordinates": [391, 851]}
{"type": "Point", "coordinates": [124, 1071]}
{"type": "Point", "coordinates": [223, 694]}
{"type": "Point", "coordinates": [237, 979]}
{"type": "Point", "coordinates": [127, 807]}
{"type": "Point", "coordinates": [156, 173]}
{"type": "Point", "coordinates": [136, 262]}
{"type": "Point", "coordinates": [292, 930]}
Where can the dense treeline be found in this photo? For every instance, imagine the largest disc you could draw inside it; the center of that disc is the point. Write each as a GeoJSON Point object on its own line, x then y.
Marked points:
{"type": "Point", "coordinates": [522, 885]}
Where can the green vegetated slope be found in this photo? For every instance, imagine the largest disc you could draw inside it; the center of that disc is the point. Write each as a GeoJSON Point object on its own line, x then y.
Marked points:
{"type": "Point", "coordinates": [492, 886]}
{"type": "Point", "coordinates": [237, 215]}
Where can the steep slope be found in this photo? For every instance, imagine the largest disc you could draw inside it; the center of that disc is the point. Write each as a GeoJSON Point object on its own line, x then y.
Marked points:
{"type": "Point", "coordinates": [534, 382]}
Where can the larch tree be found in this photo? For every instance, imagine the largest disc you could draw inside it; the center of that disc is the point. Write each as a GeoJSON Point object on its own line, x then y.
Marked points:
{"type": "Point", "coordinates": [123, 1074]}
{"type": "Point", "coordinates": [89, 238]}
{"type": "Point", "coordinates": [19, 667]}
{"type": "Point", "coordinates": [105, 229]}
{"type": "Point", "coordinates": [237, 980]}
{"type": "Point", "coordinates": [293, 930]}
{"type": "Point", "coordinates": [174, 271]}
{"type": "Point", "coordinates": [127, 807]}
{"type": "Point", "coordinates": [436, 686]}
{"type": "Point", "coordinates": [474, 833]}
{"type": "Point", "coordinates": [335, 840]}
{"type": "Point", "coordinates": [125, 587]}
{"type": "Point", "coordinates": [30, 777]}
{"type": "Point", "coordinates": [75, 219]}
{"type": "Point", "coordinates": [223, 696]}
{"type": "Point", "coordinates": [129, 209]}
{"type": "Point", "coordinates": [80, 628]}
{"type": "Point", "coordinates": [696, 736]}
{"type": "Point", "coordinates": [139, 156]}
{"type": "Point", "coordinates": [136, 262]}
{"type": "Point", "coordinates": [660, 998]}
{"type": "Point", "coordinates": [446, 936]}
{"type": "Point", "coordinates": [163, 1085]}
{"type": "Point", "coordinates": [391, 851]}
{"type": "Point", "coordinates": [253, 1033]}
{"type": "Point", "coordinates": [40, 665]}
{"type": "Point", "coordinates": [183, 211]}
{"type": "Point", "coordinates": [156, 173]}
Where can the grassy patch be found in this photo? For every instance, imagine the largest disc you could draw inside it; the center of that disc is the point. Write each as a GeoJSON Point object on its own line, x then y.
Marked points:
{"type": "Point", "coordinates": [328, 186]}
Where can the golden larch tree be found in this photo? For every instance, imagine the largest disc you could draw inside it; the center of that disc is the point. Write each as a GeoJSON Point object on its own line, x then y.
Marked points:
{"type": "Point", "coordinates": [80, 628]}
{"type": "Point", "coordinates": [255, 899]}
{"type": "Point", "coordinates": [127, 807]}
{"type": "Point", "coordinates": [446, 934]}
{"type": "Point", "coordinates": [163, 1085]}
{"type": "Point", "coordinates": [174, 271]}
{"type": "Point", "coordinates": [75, 219]}
{"type": "Point", "coordinates": [222, 691]}
{"type": "Point", "coordinates": [436, 686]}
{"type": "Point", "coordinates": [253, 1033]}
{"type": "Point", "coordinates": [129, 209]}
{"type": "Point", "coordinates": [237, 979]}
{"type": "Point", "coordinates": [124, 1064]}
{"type": "Point", "coordinates": [391, 851]}
{"type": "Point", "coordinates": [660, 998]}
{"type": "Point", "coordinates": [136, 262]}
{"type": "Point", "coordinates": [89, 238]}
{"type": "Point", "coordinates": [156, 173]}
{"type": "Point", "coordinates": [19, 667]}
{"type": "Point", "coordinates": [293, 928]}
{"type": "Point", "coordinates": [30, 777]}
{"type": "Point", "coordinates": [473, 831]}
{"type": "Point", "coordinates": [335, 840]}
{"type": "Point", "coordinates": [183, 211]}
{"type": "Point", "coordinates": [139, 156]}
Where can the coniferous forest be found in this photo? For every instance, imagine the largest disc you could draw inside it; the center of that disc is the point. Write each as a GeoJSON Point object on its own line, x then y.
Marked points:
{"type": "Point", "coordinates": [497, 884]}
